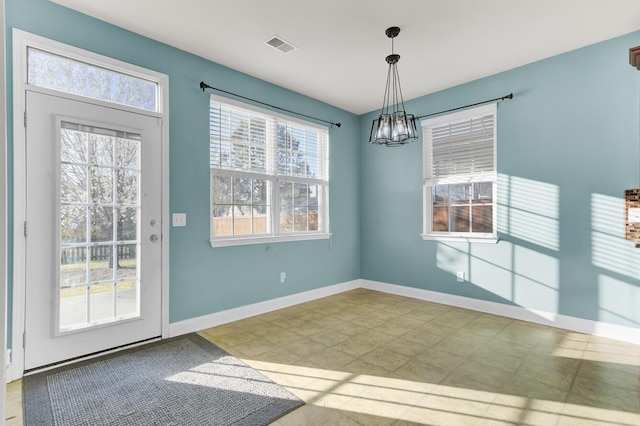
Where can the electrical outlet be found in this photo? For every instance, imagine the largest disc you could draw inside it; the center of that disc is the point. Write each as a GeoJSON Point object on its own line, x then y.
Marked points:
{"type": "Point", "coordinates": [283, 277]}
{"type": "Point", "coordinates": [460, 276]}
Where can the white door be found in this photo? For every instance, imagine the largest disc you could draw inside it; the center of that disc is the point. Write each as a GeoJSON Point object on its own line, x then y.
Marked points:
{"type": "Point", "coordinates": [93, 251]}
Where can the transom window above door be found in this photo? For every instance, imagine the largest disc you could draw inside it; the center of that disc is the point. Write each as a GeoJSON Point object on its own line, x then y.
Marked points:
{"type": "Point", "coordinates": [62, 70]}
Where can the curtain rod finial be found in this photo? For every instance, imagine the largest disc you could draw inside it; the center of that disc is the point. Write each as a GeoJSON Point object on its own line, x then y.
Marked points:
{"type": "Point", "coordinates": [203, 85]}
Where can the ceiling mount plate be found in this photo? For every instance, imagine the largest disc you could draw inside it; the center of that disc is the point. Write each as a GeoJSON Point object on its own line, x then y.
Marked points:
{"type": "Point", "coordinates": [392, 32]}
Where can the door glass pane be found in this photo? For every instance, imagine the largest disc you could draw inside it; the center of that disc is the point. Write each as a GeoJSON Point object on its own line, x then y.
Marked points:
{"type": "Point", "coordinates": [73, 302]}
{"type": "Point", "coordinates": [126, 296]}
{"type": "Point", "coordinates": [127, 224]}
{"type": "Point", "coordinates": [73, 183]}
{"type": "Point", "coordinates": [99, 178]}
{"type": "Point", "coordinates": [73, 224]}
{"type": "Point", "coordinates": [127, 266]}
{"type": "Point", "coordinates": [101, 302]}
{"type": "Point", "coordinates": [101, 264]}
{"type": "Point", "coordinates": [73, 265]}
{"type": "Point", "coordinates": [101, 223]}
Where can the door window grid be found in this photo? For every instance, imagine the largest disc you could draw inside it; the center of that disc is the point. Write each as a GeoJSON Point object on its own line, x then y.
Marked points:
{"type": "Point", "coordinates": [99, 181]}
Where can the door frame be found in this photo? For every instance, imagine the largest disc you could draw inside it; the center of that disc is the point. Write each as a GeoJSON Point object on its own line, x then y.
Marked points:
{"type": "Point", "coordinates": [22, 40]}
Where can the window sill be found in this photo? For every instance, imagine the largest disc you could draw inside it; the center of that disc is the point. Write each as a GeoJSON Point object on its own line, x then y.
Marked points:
{"type": "Point", "coordinates": [485, 240]}
{"type": "Point", "coordinates": [241, 241]}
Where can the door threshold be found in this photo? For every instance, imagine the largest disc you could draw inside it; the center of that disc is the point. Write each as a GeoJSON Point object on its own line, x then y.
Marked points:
{"type": "Point", "coordinates": [89, 356]}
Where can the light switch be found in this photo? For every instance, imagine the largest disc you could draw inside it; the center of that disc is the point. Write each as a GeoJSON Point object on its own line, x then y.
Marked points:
{"type": "Point", "coordinates": [179, 219]}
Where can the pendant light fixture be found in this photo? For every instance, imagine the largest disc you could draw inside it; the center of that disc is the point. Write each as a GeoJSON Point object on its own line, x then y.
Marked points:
{"type": "Point", "coordinates": [394, 126]}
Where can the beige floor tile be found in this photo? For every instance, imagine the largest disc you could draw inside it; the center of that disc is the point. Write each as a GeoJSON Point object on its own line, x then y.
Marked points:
{"type": "Point", "coordinates": [361, 367]}
{"type": "Point", "coordinates": [278, 358]}
{"type": "Point", "coordinates": [282, 337]}
{"type": "Point", "coordinates": [315, 416]}
{"type": "Point", "coordinates": [304, 347]}
{"type": "Point", "coordinates": [376, 407]}
{"type": "Point", "coordinates": [387, 359]}
{"type": "Point", "coordinates": [306, 329]}
{"type": "Point", "coordinates": [252, 348]}
{"type": "Point", "coordinates": [533, 389]}
{"type": "Point", "coordinates": [368, 419]}
{"type": "Point", "coordinates": [368, 321]}
{"type": "Point", "coordinates": [519, 416]}
{"type": "Point", "coordinates": [552, 363]}
{"type": "Point", "coordinates": [619, 375]}
{"type": "Point", "coordinates": [556, 378]}
{"type": "Point", "coordinates": [435, 329]}
{"type": "Point", "coordinates": [350, 329]}
{"type": "Point", "coordinates": [376, 337]}
{"type": "Point", "coordinates": [602, 395]}
{"type": "Point", "coordinates": [441, 359]}
{"type": "Point", "coordinates": [13, 407]}
{"type": "Point", "coordinates": [488, 379]}
{"type": "Point", "coordinates": [329, 337]}
{"type": "Point", "coordinates": [421, 336]}
{"type": "Point", "coordinates": [436, 417]}
{"type": "Point", "coordinates": [395, 327]}
{"type": "Point", "coordinates": [407, 347]}
{"type": "Point", "coordinates": [330, 358]}
{"type": "Point", "coordinates": [355, 347]}
{"type": "Point", "coordinates": [421, 371]}
{"type": "Point", "coordinates": [573, 414]}
{"type": "Point", "coordinates": [233, 339]}
{"type": "Point", "coordinates": [499, 360]}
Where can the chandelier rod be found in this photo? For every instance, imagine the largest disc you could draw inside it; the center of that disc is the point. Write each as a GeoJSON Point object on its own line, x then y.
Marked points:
{"type": "Point", "coordinates": [204, 85]}
{"type": "Point", "coordinates": [502, 98]}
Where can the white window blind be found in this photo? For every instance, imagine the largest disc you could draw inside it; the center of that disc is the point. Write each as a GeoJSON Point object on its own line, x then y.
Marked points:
{"type": "Point", "coordinates": [460, 148]}
{"type": "Point", "coordinates": [245, 140]}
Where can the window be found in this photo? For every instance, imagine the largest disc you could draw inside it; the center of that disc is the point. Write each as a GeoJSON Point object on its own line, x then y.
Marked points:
{"type": "Point", "coordinates": [57, 72]}
{"type": "Point", "coordinates": [460, 175]}
{"type": "Point", "coordinates": [269, 176]}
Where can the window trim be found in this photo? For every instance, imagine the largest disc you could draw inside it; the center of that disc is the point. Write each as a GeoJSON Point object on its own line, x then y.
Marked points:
{"type": "Point", "coordinates": [24, 40]}
{"type": "Point", "coordinates": [469, 237]}
{"type": "Point", "coordinates": [274, 178]}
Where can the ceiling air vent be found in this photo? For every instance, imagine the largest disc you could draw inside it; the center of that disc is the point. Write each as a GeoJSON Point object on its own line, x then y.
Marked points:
{"type": "Point", "coordinates": [279, 43]}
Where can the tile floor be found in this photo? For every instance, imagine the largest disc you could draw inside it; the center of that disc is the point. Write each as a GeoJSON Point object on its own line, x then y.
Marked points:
{"type": "Point", "coordinates": [369, 358]}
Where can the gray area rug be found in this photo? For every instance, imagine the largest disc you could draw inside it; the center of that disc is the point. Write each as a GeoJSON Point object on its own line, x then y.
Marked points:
{"type": "Point", "coordinates": [181, 381]}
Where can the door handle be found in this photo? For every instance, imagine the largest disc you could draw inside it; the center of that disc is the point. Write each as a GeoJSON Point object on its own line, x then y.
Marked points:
{"type": "Point", "coordinates": [153, 238]}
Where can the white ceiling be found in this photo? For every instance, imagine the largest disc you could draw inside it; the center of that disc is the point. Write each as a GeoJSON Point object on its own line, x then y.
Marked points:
{"type": "Point", "coordinates": [341, 44]}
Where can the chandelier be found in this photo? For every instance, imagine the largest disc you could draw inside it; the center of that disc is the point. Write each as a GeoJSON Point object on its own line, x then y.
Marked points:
{"type": "Point", "coordinates": [394, 126]}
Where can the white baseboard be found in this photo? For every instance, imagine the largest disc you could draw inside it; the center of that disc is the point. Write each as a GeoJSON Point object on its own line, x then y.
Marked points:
{"type": "Point", "coordinates": [242, 312]}
{"type": "Point", "coordinates": [595, 328]}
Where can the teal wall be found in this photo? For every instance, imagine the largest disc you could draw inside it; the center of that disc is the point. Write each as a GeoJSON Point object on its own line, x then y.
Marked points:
{"type": "Point", "coordinates": [204, 280]}
{"type": "Point", "coordinates": [568, 147]}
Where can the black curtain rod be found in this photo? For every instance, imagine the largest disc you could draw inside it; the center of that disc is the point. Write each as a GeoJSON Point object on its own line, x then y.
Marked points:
{"type": "Point", "coordinates": [509, 96]}
{"type": "Point", "coordinates": [204, 85]}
